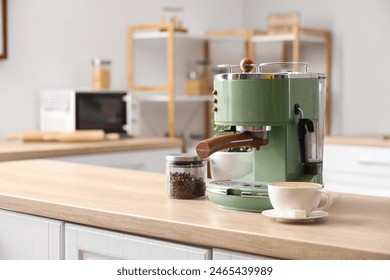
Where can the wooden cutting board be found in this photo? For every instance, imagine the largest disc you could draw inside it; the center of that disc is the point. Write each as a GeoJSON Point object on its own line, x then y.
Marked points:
{"type": "Point", "coordinates": [91, 135]}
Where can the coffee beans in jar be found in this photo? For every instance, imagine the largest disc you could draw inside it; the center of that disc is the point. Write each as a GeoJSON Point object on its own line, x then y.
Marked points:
{"type": "Point", "coordinates": [186, 176]}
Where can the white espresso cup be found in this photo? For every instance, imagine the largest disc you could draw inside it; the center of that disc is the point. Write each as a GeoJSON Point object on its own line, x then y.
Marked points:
{"type": "Point", "coordinates": [298, 199]}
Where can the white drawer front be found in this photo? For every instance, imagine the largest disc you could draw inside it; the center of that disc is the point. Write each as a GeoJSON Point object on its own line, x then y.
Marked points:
{"type": "Point", "coordinates": [357, 169]}
{"type": "Point", "coordinates": [368, 160]}
{"type": "Point", "coordinates": [84, 242]}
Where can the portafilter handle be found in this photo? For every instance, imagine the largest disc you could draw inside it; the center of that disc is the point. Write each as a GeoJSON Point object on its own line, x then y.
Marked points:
{"type": "Point", "coordinates": [209, 146]}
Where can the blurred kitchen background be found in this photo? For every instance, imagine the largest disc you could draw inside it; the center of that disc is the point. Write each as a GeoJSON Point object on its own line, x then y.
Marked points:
{"type": "Point", "coordinates": [51, 44]}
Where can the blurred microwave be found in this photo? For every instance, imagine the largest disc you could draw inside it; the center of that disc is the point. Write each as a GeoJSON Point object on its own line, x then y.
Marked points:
{"type": "Point", "coordinates": [70, 110]}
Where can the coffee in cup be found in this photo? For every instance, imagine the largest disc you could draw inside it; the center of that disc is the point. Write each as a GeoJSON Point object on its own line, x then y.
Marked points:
{"type": "Point", "coordinates": [298, 199]}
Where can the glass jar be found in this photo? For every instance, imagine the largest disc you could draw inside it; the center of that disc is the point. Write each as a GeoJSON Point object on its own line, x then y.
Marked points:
{"type": "Point", "coordinates": [101, 73]}
{"type": "Point", "coordinates": [186, 176]}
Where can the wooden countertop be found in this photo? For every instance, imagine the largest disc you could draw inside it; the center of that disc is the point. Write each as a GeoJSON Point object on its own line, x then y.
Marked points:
{"type": "Point", "coordinates": [358, 141]}
{"type": "Point", "coordinates": [358, 227]}
{"type": "Point", "coordinates": [16, 150]}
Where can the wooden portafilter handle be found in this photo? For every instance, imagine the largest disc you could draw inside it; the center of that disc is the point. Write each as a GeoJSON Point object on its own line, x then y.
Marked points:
{"type": "Point", "coordinates": [209, 146]}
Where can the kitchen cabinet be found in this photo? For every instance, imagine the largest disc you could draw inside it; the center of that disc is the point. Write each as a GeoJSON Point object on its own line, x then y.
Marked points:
{"type": "Point", "coordinates": [145, 160]}
{"type": "Point", "coordinates": [221, 254]}
{"type": "Point", "coordinates": [152, 32]}
{"type": "Point", "coordinates": [84, 242]}
{"type": "Point", "coordinates": [27, 237]}
{"type": "Point", "coordinates": [357, 169]}
{"type": "Point", "coordinates": [146, 154]}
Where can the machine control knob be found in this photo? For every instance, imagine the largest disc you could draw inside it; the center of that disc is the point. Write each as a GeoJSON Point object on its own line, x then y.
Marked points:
{"type": "Point", "coordinates": [215, 100]}
{"type": "Point", "coordinates": [215, 92]}
{"type": "Point", "coordinates": [215, 109]}
{"type": "Point", "coordinates": [246, 64]}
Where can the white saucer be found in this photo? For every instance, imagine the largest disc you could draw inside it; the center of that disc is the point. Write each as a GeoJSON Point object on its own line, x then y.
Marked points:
{"type": "Point", "coordinates": [314, 215]}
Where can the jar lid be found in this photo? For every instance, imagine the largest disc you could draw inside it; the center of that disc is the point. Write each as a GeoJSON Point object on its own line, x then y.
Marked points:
{"type": "Point", "coordinates": [99, 62]}
{"type": "Point", "coordinates": [183, 157]}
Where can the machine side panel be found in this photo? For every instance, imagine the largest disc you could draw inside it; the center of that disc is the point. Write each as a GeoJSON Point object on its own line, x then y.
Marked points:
{"type": "Point", "coordinates": [305, 92]}
{"type": "Point", "coordinates": [249, 102]}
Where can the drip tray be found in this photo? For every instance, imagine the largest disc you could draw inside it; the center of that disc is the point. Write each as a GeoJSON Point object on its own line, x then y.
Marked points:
{"type": "Point", "coordinates": [239, 195]}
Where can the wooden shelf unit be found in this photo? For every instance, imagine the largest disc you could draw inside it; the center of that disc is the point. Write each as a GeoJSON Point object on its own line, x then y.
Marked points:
{"type": "Point", "coordinates": [169, 88]}
{"type": "Point", "coordinates": [169, 33]}
{"type": "Point", "coordinates": [244, 34]}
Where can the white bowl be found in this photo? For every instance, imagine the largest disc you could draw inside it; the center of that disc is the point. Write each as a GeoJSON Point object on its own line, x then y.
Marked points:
{"type": "Point", "coordinates": [230, 165]}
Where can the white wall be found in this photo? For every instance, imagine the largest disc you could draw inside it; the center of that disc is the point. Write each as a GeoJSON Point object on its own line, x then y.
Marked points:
{"type": "Point", "coordinates": [360, 57]}
{"type": "Point", "coordinates": [51, 43]}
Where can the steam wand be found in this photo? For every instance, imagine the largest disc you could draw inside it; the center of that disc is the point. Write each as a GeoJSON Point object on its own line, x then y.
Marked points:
{"type": "Point", "coordinates": [304, 126]}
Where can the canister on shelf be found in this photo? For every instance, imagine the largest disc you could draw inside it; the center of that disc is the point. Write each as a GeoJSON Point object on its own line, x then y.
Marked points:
{"type": "Point", "coordinates": [199, 79]}
{"type": "Point", "coordinates": [101, 73]}
{"type": "Point", "coordinates": [186, 176]}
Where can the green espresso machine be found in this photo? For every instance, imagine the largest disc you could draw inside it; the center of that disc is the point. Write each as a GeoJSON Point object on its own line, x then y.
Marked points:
{"type": "Point", "coordinates": [280, 113]}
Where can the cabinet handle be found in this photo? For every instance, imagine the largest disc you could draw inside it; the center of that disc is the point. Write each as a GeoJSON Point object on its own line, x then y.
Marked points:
{"type": "Point", "coordinates": [370, 161]}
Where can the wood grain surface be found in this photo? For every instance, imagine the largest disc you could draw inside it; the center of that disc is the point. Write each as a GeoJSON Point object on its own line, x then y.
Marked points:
{"type": "Point", "coordinates": [358, 227]}
{"type": "Point", "coordinates": [359, 141]}
{"type": "Point", "coordinates": [16, 150]}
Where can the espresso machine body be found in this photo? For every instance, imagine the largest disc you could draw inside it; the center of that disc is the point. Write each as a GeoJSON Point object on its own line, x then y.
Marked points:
{"type": "Point", "coordinates": [283, 109]}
